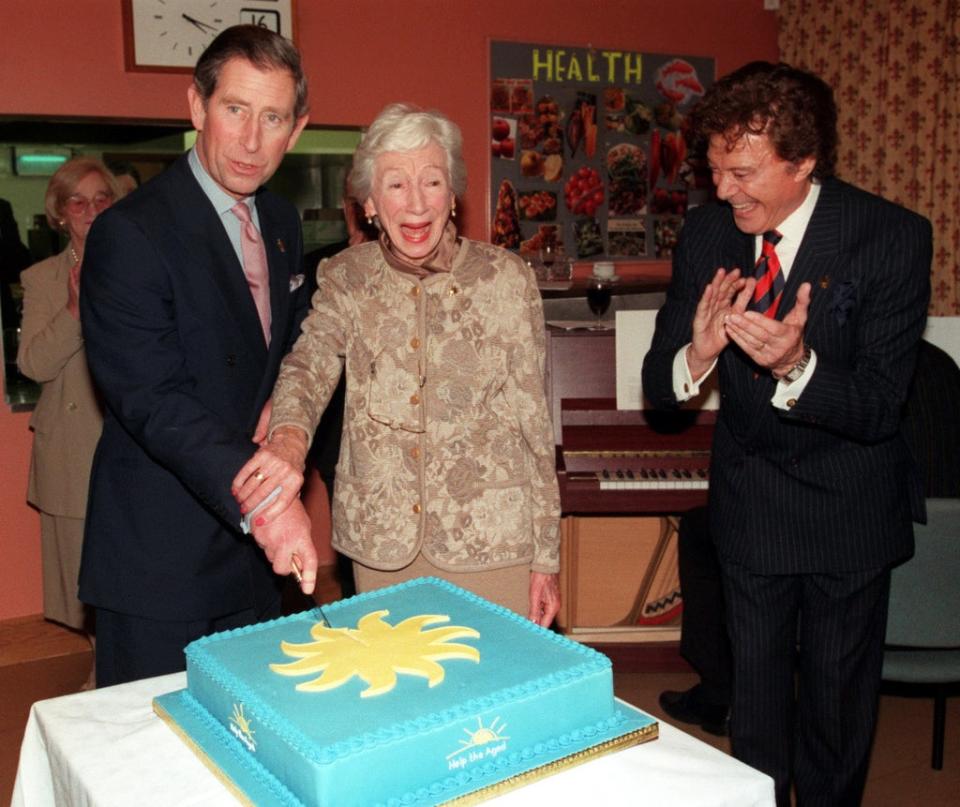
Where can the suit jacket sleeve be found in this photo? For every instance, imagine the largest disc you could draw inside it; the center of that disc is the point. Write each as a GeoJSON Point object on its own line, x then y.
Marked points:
{"type": "Point", "coordinates": [49, 335]}
{"type": "Point", "coordinates": [136, 349]}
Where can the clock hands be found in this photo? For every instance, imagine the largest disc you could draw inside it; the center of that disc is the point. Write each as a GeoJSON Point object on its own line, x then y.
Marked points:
{"type": "Point", "coordinates": [202, 26]}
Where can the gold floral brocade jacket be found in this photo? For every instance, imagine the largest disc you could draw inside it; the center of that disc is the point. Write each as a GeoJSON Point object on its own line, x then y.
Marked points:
{"type": "Point", "coordinates": [447, 443]}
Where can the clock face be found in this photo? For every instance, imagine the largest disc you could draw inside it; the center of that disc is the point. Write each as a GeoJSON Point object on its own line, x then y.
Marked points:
{"type": "Point", "coordinates": [171, 34]}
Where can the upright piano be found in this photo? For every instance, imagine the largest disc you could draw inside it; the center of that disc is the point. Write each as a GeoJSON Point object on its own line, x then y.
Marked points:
{"type": "Point", "coordinates": [624, 477]}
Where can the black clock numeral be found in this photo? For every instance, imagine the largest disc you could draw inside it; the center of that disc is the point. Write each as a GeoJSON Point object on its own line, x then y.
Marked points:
{"type": "Point", "coordinates": [265, 19]}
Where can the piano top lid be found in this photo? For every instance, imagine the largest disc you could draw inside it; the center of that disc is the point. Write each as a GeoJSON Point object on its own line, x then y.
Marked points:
{"type": "Point", "coordinates": [595, 424]}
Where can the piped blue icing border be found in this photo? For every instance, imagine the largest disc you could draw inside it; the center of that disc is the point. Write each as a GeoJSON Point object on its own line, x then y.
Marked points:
{"type": "Point", "coordinates": [259, 785]}
{"type": "Point", "coordinates": [306, 746]}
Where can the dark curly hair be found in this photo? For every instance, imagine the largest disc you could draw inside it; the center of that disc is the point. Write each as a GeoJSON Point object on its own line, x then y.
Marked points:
{"type": "Point", "coordinates": [793, 107]}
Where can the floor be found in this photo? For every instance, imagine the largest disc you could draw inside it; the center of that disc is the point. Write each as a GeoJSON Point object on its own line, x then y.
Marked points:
{"type": "Point", "coordinates": [50, 662]}
{"type": "Point", "coordinates": [900, 773]}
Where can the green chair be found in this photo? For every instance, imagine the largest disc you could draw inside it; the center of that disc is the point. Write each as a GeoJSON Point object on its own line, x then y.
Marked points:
{"type": "Point", "coordinates": [923, 629]}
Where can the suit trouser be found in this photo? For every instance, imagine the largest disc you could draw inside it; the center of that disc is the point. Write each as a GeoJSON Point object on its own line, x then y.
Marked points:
{"type": "Point", "coordinates": [703, 638]}
{"type": "Point", "coordinates": [808, 652]}
{"type": "Point", "coordinates": [132, 647]}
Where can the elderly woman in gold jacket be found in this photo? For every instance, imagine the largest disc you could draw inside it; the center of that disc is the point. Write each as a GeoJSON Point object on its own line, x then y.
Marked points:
{"type": "Point", "coordinates": [447, 459]}
{"type": "Point", "coordinates": [67, 419]}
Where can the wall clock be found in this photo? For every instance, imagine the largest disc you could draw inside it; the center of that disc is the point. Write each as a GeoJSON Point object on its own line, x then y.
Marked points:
{"type": "Point", "coordinates": [170, 35]}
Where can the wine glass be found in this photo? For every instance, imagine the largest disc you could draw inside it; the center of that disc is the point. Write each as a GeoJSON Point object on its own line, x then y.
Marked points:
{"type": "Point", "coordinates": [598, 298]}
{"type": "Point", "coordinates": [548, 257]}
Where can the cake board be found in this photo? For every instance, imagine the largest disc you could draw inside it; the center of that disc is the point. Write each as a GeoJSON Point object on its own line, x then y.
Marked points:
{"type": "Point", "coordinates": [252, 784]}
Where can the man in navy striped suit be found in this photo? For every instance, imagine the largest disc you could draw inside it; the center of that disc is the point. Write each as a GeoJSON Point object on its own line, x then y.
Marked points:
{"type": "Point", "coordinates": [808, 297]}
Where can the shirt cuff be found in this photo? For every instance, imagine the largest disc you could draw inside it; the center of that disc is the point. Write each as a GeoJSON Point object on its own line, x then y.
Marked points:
{"type": "Point", "coordinates": [684, 387]}
{"type": "Point", "coordinates": [787, 395]}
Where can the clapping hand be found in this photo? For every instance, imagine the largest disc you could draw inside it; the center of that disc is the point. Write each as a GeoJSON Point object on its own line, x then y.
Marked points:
{"type": "Point", "coordinates": [728, 293]}
{"type": "Point", "coordinates": [776, 345]}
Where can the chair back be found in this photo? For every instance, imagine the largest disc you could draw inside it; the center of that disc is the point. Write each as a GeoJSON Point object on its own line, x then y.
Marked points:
{"type": "Point", "coordinates": [925, 590]}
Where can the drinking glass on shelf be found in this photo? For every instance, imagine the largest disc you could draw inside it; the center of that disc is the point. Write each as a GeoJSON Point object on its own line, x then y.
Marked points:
{"type": "Point", "coordinates": [598, 298]}
{"type": "Point", "coordinates": [548, 257]}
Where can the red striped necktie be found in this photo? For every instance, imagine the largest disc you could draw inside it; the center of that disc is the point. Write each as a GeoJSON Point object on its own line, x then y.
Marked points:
{"type": "Point", "coordinates": [769, 275]}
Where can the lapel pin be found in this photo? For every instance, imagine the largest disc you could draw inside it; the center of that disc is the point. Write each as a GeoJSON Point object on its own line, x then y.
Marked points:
{"type": "Point", "coordinates": [825, 281]}
{"type": "Point", "coordinates": [280, 245]}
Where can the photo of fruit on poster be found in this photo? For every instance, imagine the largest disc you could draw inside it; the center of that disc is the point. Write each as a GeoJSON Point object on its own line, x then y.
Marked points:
{"type": "Point", "coordinates": [588, 150]}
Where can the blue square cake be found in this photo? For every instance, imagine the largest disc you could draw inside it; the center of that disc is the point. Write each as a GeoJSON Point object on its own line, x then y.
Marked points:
{"type": "Point", "coordinates": [420, 693]}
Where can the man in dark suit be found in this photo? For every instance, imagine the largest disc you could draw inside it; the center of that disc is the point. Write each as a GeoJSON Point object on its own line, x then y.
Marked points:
{"type": "Point", "coordinates": [185, 350]}
{"type": "Point", "coordinates": [812, 487]}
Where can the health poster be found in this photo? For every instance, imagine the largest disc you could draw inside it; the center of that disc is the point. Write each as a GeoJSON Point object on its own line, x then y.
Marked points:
{"type": "Point", "coordinates": [588, 153]}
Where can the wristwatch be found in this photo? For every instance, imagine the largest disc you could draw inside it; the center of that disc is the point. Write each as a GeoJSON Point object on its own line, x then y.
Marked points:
{"type": "Point", "coordinates": [798, 369]}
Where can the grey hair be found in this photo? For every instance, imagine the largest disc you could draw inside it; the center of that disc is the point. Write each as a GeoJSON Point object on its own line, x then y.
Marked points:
{"type": "Point", "coordinates": [406, 127]}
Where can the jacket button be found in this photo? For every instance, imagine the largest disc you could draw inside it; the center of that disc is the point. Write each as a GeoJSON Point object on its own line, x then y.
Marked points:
{"type": "Point", "coordinates": [415, 343]}
{"type": "Point", "coordinates": [452, 290]}
{"type": "Point", "coordinates": [415, 452]}
{"type": "Point", "coordinates": [414, 399]}
{"type": "Point", "coordinates": [416, 508]}
{"type": "Point", "coordinates": [231, 360]}
{"type": "Point", "coordinates": [72, 406]}
{"type": "Point", "coordinates": [415, 291]}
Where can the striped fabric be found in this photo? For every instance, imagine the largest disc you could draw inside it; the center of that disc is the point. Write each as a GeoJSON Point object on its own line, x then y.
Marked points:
{"type": "Point", "coordinates": [769, 275]}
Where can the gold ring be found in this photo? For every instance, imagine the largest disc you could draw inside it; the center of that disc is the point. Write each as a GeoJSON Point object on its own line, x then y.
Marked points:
{"type": "Point", "coordinates": [259, 476]}
{"type": "Point", "coordinates": [295, 570]}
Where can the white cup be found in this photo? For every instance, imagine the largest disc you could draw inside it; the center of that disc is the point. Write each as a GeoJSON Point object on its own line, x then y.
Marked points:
{"type": "Point", "coordinates": [603, 269]}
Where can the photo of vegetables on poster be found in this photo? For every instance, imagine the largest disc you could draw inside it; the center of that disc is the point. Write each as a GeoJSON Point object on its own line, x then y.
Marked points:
{"type": "Point", "coordinates": [587, 149]}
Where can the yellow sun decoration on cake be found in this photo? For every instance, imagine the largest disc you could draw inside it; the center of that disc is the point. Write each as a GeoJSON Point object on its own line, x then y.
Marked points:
{"type": "Point", "coordinates": [482, 735]}
{"type": "Point", "coordinates": [239, 720]}
{"type": "Point", "coordinates": [376, 652]}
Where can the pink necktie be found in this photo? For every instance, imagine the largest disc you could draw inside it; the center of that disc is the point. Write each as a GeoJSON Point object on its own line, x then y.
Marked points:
{"type": "Point", "coordinates": [254, 265]}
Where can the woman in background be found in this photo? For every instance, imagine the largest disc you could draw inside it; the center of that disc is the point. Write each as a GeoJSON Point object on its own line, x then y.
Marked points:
{"type": "Point", "coordinates": [67, 419]}
{"type": "Point", "coordinates": [447, 461]}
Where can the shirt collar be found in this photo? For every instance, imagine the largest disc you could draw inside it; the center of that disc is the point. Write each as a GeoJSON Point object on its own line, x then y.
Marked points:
{"type": "Point", "coordinates": [219, 198]}
{"type": "Point", "coordinates": [794, 226]}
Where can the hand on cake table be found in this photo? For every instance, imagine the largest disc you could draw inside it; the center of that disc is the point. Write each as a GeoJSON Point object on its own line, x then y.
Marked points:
{"type": "Point", "coordinates": [544, 598]}
{"type": "Point", "coordinates": [278, 463]}
{"type": "Point", "coordinates": [287, 543]}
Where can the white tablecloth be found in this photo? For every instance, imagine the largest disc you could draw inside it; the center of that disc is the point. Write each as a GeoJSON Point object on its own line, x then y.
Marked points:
{"type": "Point", "coordinates": [107, 747]}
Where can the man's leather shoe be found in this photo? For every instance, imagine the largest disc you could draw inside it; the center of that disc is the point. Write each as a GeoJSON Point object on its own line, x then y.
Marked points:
{"type": "Point", "coordinates": [689, 707]}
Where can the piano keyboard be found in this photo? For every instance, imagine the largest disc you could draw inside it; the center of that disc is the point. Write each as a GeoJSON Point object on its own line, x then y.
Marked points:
{"type": "Point", "coordinates": [653, 479]}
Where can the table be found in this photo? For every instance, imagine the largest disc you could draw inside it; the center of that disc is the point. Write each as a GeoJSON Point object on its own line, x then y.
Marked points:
{"type": "Point", "coordinates": [107, 747]}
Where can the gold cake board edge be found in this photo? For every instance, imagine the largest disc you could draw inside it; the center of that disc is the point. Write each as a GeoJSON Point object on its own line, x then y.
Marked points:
{"type": "Point", "coordinates": [628, 740]}
{"type": "Point", "coordinates": [636, 737]}
{"type": "Point", "coordinates": [208, 763]}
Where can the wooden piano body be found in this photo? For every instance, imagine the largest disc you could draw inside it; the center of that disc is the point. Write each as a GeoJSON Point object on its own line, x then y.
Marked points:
{"type": "Point", "coordinates": [619, 563]}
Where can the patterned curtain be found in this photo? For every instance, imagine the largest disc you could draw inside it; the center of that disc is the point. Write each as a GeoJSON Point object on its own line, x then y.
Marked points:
{"type": "Point", "coordinates": [893, 66]}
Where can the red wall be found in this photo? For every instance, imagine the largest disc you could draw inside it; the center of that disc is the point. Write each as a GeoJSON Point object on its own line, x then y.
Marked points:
{"type": "Point", "coordinates": [66, 59]}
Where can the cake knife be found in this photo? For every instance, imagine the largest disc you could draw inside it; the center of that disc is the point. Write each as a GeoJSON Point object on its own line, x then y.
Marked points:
{"type": "Point", "coordinates": [317, 611]}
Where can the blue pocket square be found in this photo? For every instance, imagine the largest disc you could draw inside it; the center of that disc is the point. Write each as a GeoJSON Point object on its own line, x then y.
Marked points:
{"type": "Point", "coordinates": [844, 300]}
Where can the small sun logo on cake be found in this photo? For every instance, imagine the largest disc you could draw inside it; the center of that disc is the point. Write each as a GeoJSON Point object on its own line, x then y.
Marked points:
{"type": "Point", "coordinates": [241, 727]}
{"type": "Point", "coordinates": [376, 652]}
{"type": "Point", "coordinates": [482, 735]}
